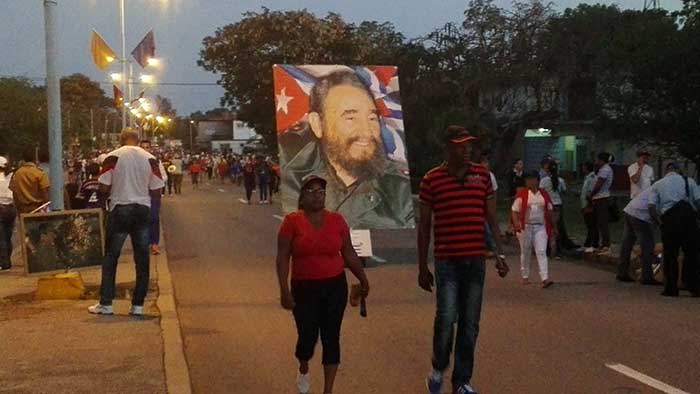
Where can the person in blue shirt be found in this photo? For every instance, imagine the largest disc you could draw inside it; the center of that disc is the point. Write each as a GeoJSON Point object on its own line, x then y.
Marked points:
{"type": "Point", "coordinates": [673, 205]}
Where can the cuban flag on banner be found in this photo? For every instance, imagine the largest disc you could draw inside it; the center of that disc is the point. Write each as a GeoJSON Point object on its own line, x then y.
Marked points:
{"type": "Point", "coordinates": [293, 86]}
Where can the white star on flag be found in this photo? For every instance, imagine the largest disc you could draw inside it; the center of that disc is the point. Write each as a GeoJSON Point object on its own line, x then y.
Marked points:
{"type": "Point", "coordinates": [283, 101]}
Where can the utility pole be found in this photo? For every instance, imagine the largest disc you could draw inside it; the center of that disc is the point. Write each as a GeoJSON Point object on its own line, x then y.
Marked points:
{"type": "Point", "coordinates": [53, 98]}
{"type": "Point", "coordinates": [191, 146]}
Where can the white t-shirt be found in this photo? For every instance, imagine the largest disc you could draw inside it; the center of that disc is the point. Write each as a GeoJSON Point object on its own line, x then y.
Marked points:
{"type": "Point", "coordinates": [606, 174]}
{"type": "Point", "coordinates": [546, 184]}
{"type": "Point", "coordinates": [645, 180]}
{"type": "Point", "coordinates": [535, 207]}
{"type": "Point", "coordinates": [5, 192]}
{"type": "Point", "coordinates": [132, 172]}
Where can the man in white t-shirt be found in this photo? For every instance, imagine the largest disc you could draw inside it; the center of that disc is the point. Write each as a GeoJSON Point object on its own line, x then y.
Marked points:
{"type": "Point", "coordinates": [130, 176]}
{"type": "Point", "coordinates": [641, 174]}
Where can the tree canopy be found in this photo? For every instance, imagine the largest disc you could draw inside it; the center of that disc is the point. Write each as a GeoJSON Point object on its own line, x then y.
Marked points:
{"type": "Point", "coordinates": [629, 74]}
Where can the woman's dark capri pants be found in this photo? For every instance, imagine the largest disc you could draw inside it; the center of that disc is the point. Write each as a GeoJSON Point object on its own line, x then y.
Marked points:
{"type": "Point", "coordinates": [319, 308]}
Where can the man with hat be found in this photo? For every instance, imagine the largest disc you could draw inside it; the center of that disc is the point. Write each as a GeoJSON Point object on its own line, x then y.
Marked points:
{"type": "Point", "coordinates": [673, 205]}
{"type": "Point", "coordinates": [459, 196]}
{"type": "Point", "coordinates": [7, 215]}
{"type": "Point", "coordinates": [641, 173]}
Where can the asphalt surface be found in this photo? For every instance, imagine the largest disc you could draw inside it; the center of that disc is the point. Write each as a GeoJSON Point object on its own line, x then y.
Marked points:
{"type": "Point", "coordinates": [239, 340]}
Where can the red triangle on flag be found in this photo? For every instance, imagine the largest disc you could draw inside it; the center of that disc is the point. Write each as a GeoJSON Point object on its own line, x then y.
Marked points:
{"type": "Point", "coordinates": [291, 103]}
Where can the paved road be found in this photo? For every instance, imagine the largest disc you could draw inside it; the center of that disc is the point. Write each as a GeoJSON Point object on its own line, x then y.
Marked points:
{"type": "Point", "coordinates": [238, 340]}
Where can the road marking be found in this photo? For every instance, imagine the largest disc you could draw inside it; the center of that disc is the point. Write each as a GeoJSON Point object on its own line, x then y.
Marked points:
{"type": "Point", "coordinates": [648, 380]}
{"type": "Point", "coordinates": [243, 201]}
{"type": "Point", "coordinates": [278, 217]}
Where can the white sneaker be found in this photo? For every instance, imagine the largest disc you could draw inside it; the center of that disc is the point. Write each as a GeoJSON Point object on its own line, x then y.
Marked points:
{"type": "Point", "coordinates": [136, 310]}
{"type": "Point", "coordinates": [303, 383]}
{"type": "Point", "coordinates": [99, 309]}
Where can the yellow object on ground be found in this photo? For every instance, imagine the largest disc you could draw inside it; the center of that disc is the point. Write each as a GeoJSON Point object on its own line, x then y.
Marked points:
{"type": "Point", "coordinates": [68, 286]}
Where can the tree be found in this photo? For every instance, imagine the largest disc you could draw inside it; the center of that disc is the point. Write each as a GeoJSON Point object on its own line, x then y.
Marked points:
{"type": "Point", "coordinates": [82, 104]}
{"type": "Point", "coordinates": [22, 116]}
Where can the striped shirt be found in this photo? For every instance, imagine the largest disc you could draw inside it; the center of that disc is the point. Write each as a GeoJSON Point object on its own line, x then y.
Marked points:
{"type": "Point", "coordinates": [459, 209]}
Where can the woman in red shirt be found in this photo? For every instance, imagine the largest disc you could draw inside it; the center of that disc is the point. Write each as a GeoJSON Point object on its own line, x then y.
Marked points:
{"type": "Point", "coordinates": [318, 243]}
{"type": "Point", "coordinates": [195, 170]}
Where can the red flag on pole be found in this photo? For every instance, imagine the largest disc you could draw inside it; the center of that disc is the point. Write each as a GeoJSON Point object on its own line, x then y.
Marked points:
{"type": "Point", "coordinates": [118, 97]}
{"type": "Point", "coordinates": [145, 50]}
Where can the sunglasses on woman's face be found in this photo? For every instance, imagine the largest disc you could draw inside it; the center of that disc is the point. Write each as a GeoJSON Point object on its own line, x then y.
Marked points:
{"type": "Point", "coordinates": [319, 191]}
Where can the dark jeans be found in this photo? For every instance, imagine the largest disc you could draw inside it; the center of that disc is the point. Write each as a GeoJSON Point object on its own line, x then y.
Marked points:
{"type": "Point", "coordinates": [459, 289]}
{"type": "Point", "coordinates": [249, 187]}
{"type": "Point", "coordinates": [563, 241]}
{"type": "Point", "coordinates": [126, 220]}
{"type": "Point", "coordinates": [601, 207]}
{"type": "Point", "coordinates": [636, 229]}
{"type": "Point", "coordinates": [591, 230]}
{"type": "Point", "coordinates": [177, 183]}
{"type": "Point", "coordinates": [679, 230]}
{"type": "Point", "coordinates": [319, 308]}
{"type": "Point", "coordinates": [264, 189]}
{"type": "Point", "coordinates": [155, 221]}
{"type": "Point", "coordinates": [170, 184]}
{"type": "Point", "coordinates": [8, 213]}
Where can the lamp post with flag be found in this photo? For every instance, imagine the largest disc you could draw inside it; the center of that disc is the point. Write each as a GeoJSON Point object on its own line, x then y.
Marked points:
{"type": "Point", "coordinates": [103, 56]}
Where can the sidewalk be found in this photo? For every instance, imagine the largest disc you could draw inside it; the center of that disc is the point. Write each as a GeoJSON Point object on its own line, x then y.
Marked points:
{"type": "Point", "coordinates": [57, 347]}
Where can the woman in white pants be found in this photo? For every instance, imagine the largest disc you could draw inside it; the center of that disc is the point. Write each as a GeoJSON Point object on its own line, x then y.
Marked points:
{"type": "Point", "coordinates": [533, 224]}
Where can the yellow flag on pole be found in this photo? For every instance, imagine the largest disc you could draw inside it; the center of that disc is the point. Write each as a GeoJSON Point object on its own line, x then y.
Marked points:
{"type": "Point", "coordinates": [102, 54]}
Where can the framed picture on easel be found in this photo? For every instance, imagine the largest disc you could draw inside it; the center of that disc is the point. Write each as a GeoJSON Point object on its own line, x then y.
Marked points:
{"type": "Point", "coordinates": [61, 241]}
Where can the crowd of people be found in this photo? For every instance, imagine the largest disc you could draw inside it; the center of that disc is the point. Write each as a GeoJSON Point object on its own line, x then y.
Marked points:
{"type": "Point", "coordinates": [458, 214]}
{"type": "Point", "coordinates": [668, 205]}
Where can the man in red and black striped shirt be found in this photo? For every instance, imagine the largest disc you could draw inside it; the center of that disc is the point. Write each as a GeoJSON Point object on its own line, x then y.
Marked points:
{"type": "Point", "coordinates": [457, 200]}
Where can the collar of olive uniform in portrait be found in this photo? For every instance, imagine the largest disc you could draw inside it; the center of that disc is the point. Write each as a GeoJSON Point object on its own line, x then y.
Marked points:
{"type": "Point", "coordinates": [383, 201]}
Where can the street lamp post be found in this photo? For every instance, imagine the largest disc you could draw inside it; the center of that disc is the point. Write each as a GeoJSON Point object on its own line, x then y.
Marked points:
{"type": "Point", "coordinates": [53, 98]}
{"type": "Point", "coordinates": [191, 146]}
{"type": "Point", "coordinates": [123, 59]}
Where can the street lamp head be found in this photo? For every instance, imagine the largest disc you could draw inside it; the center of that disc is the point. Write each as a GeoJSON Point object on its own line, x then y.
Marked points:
{"type": "Point", "coordinates": [191, 121]}
{"type": "Point", "coordinates": [153, 62]}
{"type": "Point", "coordinates": [116, 77]}
{"type": "Point", "coordinates": [110, 59]}
{"type": "Point", "coordinates": [145, 78]}
{"type": "Point", "coordinates": [160, 119]}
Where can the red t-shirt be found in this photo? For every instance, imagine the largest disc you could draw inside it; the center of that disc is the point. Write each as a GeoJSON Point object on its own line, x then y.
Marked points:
{"type": "Point", "coordinates": [315, 251]}
{"type": "Point", "coordinates": [459, 209]}
{"type": "Point", "coordinates": [195, 168]}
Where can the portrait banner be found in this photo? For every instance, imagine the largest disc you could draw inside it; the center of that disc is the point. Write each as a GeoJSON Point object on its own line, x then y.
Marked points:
{"type": "Point", "coordinates": [345, 124]}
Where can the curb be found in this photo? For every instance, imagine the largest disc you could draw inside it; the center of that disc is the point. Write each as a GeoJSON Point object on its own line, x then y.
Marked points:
{"type": "Point", "coordinates": [177, 374]}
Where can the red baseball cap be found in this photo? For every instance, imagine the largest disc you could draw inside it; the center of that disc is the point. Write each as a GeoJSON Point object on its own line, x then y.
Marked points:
{"type": "Point", "coordinates": [458, 135]}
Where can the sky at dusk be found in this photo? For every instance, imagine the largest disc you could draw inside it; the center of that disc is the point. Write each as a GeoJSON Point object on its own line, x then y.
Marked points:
{"type": "Point", "coordinates": [179, 27]}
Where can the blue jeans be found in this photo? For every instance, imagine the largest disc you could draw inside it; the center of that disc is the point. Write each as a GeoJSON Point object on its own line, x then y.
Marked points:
{"type": "Point", "coordinates": [127, 220]}
{"type": "Point", "coordinates": [155, 221]}
{"type": "Point", "coordinates": [264, 189]}
{"type": "Point", "coordinates": [637, 230]}
{"type": "Point", "coordinates": [459, 290]}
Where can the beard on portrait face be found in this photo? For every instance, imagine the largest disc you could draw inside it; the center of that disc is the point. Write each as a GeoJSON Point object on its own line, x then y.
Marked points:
{"type": "Point", "coordinates": [371, 164]}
